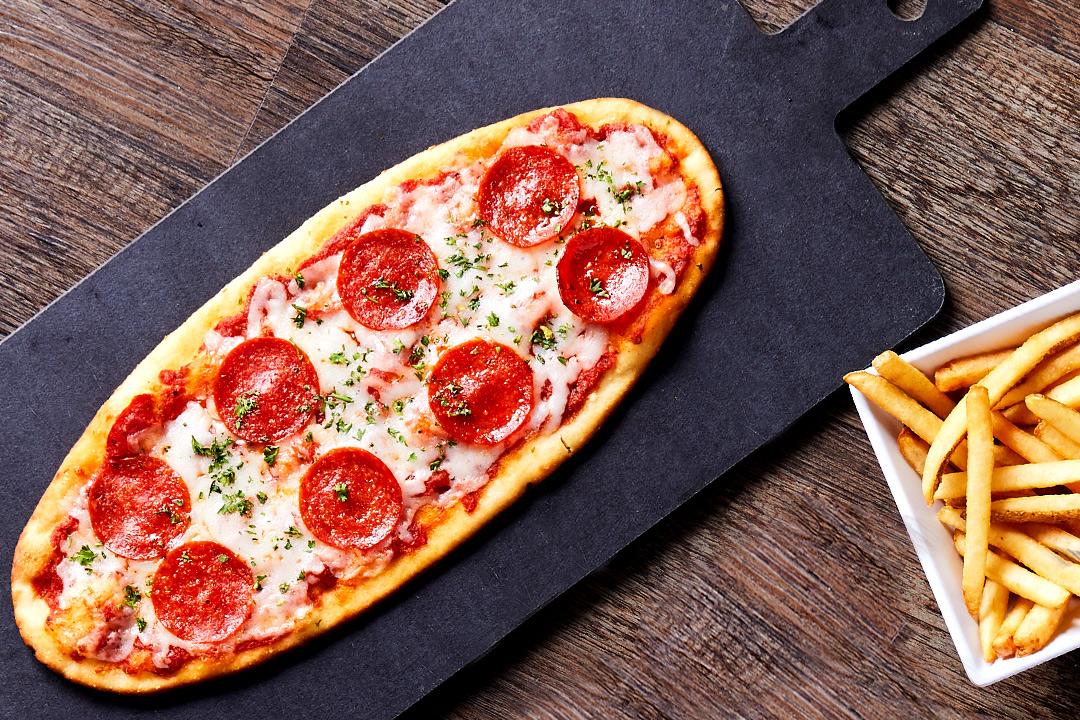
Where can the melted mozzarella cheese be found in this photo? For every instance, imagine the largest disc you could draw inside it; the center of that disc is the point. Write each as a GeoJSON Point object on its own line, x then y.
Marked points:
{"type": "Point", "coordinates": [374, 382]}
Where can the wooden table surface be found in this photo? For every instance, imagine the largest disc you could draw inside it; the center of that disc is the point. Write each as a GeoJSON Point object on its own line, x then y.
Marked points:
{"type": "Point", "coordinates": [790, 588]}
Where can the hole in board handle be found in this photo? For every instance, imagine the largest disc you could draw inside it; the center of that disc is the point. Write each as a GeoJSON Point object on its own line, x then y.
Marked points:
{"type": "Point", "coordinates": [907, 9]}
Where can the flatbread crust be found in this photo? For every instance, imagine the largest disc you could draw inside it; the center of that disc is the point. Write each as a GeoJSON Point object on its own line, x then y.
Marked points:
{"type": "Point", "coordinates": [527, 464]}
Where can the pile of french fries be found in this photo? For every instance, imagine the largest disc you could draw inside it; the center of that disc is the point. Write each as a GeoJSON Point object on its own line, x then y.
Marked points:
{"type": "Point", "coordinates": [996, 439]}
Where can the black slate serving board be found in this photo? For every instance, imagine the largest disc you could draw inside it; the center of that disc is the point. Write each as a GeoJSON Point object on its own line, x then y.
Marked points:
{"type": "Point", "coordinates": [815, 275]}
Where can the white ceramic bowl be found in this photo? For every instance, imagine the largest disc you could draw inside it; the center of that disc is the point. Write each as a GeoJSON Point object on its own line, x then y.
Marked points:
{"type": "Point", "coordinates": [933, 543]}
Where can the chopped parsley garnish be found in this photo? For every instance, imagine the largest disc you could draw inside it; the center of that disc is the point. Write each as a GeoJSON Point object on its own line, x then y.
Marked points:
{"type": "Point", "coordinates": [270, 453]}
{"type": "Point", "coordinates": [629, 190]}
{"type": "Point", "coordinates": [258, 582]}
{"type": "Point", "coordinates": [85, 557]}
{"type": "Point", "coordinates": [625, 252]}
{"type": "Point", "coordinates": [493, 320]}
{"type": "Point", "coordinates": [341, 490]}
{"type": "Point", "coordinates": [293, 532]}
{"type": "Point", "coordinates": [444, 273]}
{"type": "Point", "coordinates": [338, 397]}
{"type": "Point", "coordinates": [478, 223]}
{"type": "Point", "coordinates": [235, 502]}
{"type": "Point", "coordinates": [184, 557]}
{"type": "Point", "coordinates": [396, 434]}
{"type": "Point", "coordinates": [299, 280]}
{"type": "Point", "coordinates": [132, 596]}
{"type": "Point", "coordinates": [562, 360]}
{"type": "Point", "coordinates": [551, 207]}
{"type": "Point", "coordinates": [246, 404]}
{"type": "Point", "coordinates": [339, 358]}
{"type": "Point", "coordinates": [301, 316]}
{"type": "Point", "coordinates": [166, 508]}
{"type": "Point", "coordinates": [140, 623]}
{"type": "Point", "coordinates": [222, 558]}
{"type": "Point", "coordinates": [283, 588]}
{"type": "Point", "coordinates": [262, 497]}
{"type": "Point", "coordinates": [622, 196]}
{"type": "Point", "coordinates": [596, 287]}
{"type": "Point", "coordinates": [506, 287]}
{"type": "Point", "coordinates": [448, 397]}
{"type": "Point", "coordinates": [544, 337]}
{"type": "Point", "coordinates": [399, 293]}
{"type": "Point", "coordinates": [597, 172]}
{"type": "Point", "coordinates": [221, 472]}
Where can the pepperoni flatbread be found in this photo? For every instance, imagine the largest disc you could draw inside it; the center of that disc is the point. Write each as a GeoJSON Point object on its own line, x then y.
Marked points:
{"type": "Point", "coordinates": [367, 395]}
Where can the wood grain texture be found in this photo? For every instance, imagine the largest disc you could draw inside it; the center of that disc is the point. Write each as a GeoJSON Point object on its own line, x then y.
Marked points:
{"type": "Point", "coordinates": [789, 589]}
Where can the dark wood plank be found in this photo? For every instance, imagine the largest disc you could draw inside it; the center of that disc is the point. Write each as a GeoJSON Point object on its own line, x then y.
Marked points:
{"type": "Point", "coordinates": [790, 589]}
{"type": "Point", "coordinates": [113, 113]}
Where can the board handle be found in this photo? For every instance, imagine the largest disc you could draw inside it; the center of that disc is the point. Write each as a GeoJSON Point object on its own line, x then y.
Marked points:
{"type": "Point", "coordinates": [858, 43]}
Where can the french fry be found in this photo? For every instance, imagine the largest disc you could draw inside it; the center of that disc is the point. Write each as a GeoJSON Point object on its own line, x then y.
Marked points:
{"type": "Point", "coordinates": [1067, 393]}
{"type": "Point", "coordinates": [1037, 557]}
{"type": "Point", "coordinates": [1013, 478]}
{"type": "Point", "coordinates": [1019, 580]}
{"type": "Point", "coordinates": [1064, 419]}
{"type": "Point", "coordinates": [912, 448]}
{"type": "Point", "coordinates": [1053, 437]}
{"type": "Point", "coordinates": [966, 371]}
{"type": "Point", "coordinates": [1003, 642]}
{"type": "Point", "coordinates": [1045, 375]}
{"type": "Point", "coordinates": [1037, 628]}
{"type": "Point", "coordinates": [1057, 539]}
{"type": "Point", "coordinates": [1018, 414]}
{"type": "Point", "coordinates": [1037, 508]}
{"type": "Point", "coordinates": [998, 382]}
{"type": "Point", "coordinates": [1025, 549]}
{"type": "Point", "coordinates": [952, 518]}
{"type": "Point", "coordinates": [894, 401]}
{"type": "Point", "coordinates": [908, 378]}
{"type": "Point", "coordinates": [980, 470]}
{"type": "Point", "coordinates": [1023, 443]}
{"type": "Point", "coordinates": [995, 601]}
{"type": "Point", "coordinates": [903, 407]}
{"type": "Point", "coordinates": [1004, 456]}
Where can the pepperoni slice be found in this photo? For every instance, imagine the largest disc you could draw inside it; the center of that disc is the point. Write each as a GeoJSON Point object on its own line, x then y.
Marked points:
{"type": "Point", "coordinates": [528, 195]}
{"type": "Point", "coordinates": [203, 592]}
{"type": "Point", "coordinates": [350, 499]}
{"type": "Point", "coordinates": [603, 274]}
{"type": "Point", "coordinates": [388, 279]}
{"type": "Point", "coordinates": [140, 415]}
{"type": "Point", "coordinates": [266, 390]}
{"type": "Point", "coordinates": [138, 505]}
{"type": "Point", "coordinates": [481, 392]}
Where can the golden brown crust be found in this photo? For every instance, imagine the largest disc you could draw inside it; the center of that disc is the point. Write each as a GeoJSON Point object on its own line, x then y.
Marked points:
{"type": "Point", "coordinates": [527, 464]}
